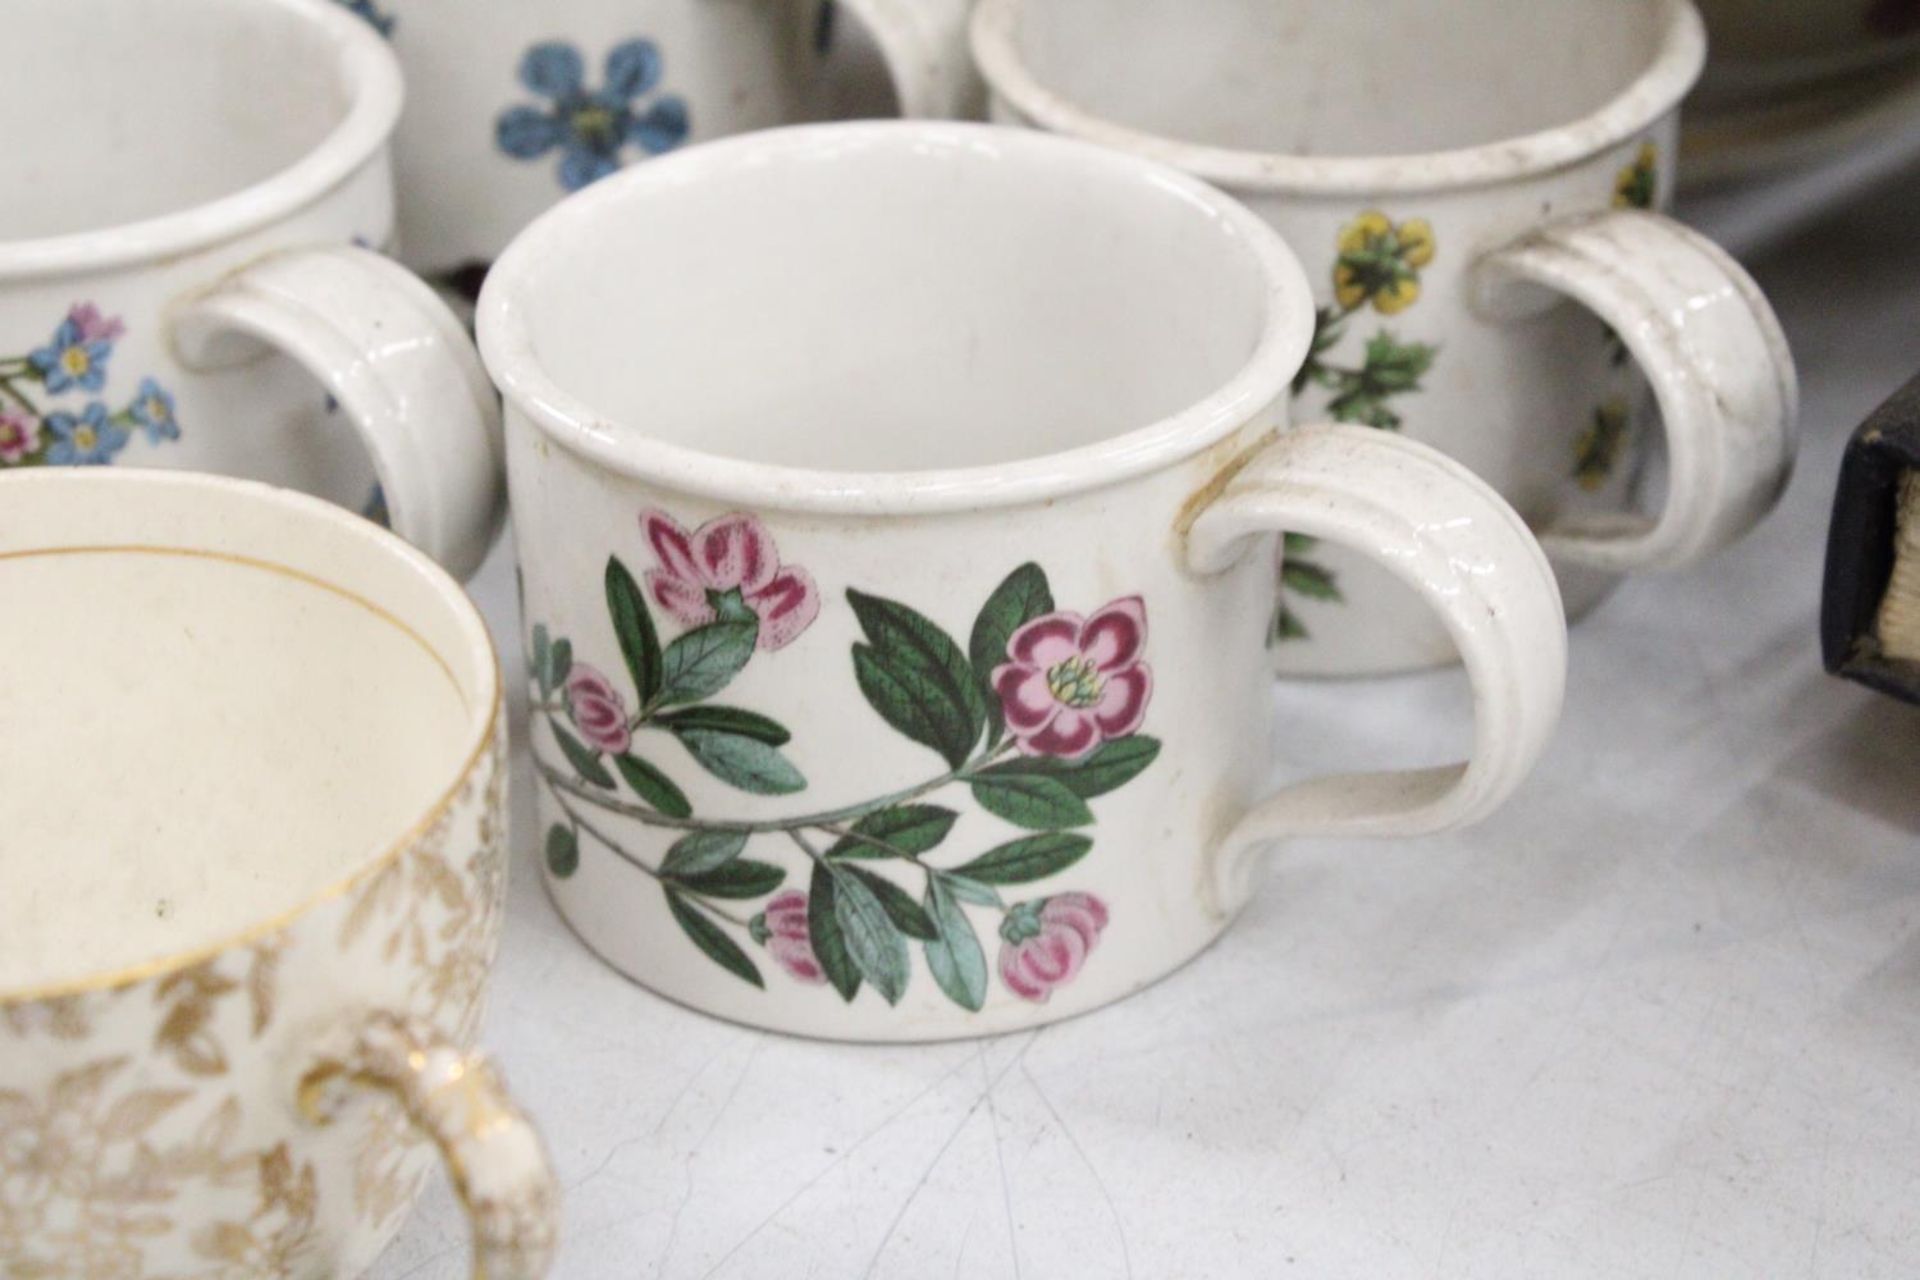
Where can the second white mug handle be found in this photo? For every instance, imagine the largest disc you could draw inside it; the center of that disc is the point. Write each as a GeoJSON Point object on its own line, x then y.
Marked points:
{"type": "Point", "coordinates": [1714, 353]}
{"type": "Point", "coordinates": [400, 364]}
{"type": "Point", "coordinates": [925, 45]}
{"type": "Point", "coordinates": [1444, 532]}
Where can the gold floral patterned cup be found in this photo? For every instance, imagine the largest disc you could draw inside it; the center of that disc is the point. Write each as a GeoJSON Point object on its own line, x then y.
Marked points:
{"type": "Point", "coordinates": [251, 766]}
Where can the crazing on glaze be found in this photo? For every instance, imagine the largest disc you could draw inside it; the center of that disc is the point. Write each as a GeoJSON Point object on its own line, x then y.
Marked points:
{"type": "Point", "coordinates": [1378, 265]}
{"type": "Point", "coordinates": [50, 412]}
{"type": "Point", "coordinates": [593, 129]}
{"type": "Point", "coordinates": [1037, 715]}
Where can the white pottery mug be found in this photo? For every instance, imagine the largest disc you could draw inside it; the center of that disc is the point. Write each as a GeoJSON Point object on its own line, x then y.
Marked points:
{"type": "Point", "coordinates": [512, 104]}
{"type": "Point", "coordinates": [897, 661]}
{"type": "Point", "coordinates": [239, 983]}
{"type": "Point", "coordinates": [1472, 187]}
{"type": "Point", "coordinates": [178, 267]}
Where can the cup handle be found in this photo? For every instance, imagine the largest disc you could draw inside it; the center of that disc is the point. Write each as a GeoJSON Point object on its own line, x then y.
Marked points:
{"type": "Point", "coordinates": [398, 362]}
{"type": "Point", "coordinates": [1440, 528]}
{"type": "Point", "coordinates": [925, 45]}
{"type": "Point", "coordinates": [1714, 353]}
{"type": "Point", "coordinates": [498, 1165]}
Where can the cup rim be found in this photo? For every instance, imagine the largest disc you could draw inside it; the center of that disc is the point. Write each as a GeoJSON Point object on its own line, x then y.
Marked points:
{"type": "Point", "coordinates": [478, 737]}
{"type": "Point", "coordinates": [371, 76]}
{"type": "Point", "coordinates": [1652, 95]}
{"type": "Point", "coordinates": [511, 356]}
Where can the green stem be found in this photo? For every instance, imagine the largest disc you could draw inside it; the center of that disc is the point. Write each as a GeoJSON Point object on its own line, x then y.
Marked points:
{"type": "Point", "coordinates": [18, 396]}
{"type": "Point", "coordinates": [573, 816]}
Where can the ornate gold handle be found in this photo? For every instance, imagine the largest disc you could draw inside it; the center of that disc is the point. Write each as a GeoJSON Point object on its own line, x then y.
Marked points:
{"type": "Point", "coordinates": [495, 1158]}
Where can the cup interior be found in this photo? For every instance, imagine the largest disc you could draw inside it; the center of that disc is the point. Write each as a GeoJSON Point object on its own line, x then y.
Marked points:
{"type": "Point", "coordinates": [218, 702]}
{"type": "Point", "coordinates": [117, 113]}
{"type": "Point", "coordinates": [1308, 78]}
{"type": "Point", "coordinates": [885, 298]}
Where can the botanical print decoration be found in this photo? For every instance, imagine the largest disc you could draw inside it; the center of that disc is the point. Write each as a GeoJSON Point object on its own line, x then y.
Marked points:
{"type": "Point", "coordinates": [1038, 714]}
{"type": "Point", "coordinates": [1599, 449]}
{"type": "Point", "coordinates": [376, 17]}
{"type": "Point", "coordinates": [592, 129]}
{"type": "Point", "coordinates": [48, 411]}
{"type": "Point", "coordinates": [1378, 265]}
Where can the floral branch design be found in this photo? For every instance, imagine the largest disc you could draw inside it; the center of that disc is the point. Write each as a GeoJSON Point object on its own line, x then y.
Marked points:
{"type": "Point", "coordinates": [1037, 716]}
{"type": "Point", "coordinates": [1378, 265]}
{"type": "Point", "coordinates": [36, 428]}
{"type": "Point", "coordinates": [592, 128]}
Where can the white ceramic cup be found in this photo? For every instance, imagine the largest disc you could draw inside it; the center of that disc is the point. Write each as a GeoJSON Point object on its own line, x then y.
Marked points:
{"type": "Point", "coordinates": [511, 105]}
{"type": "Point", "coordinates": [252, 761]}
{"type": "Point", "coordinates": [1472, 187]}
{"type": "Point", "coordinates": [179, 282]}
{"type": "Point", "coordinates": [895, 505]}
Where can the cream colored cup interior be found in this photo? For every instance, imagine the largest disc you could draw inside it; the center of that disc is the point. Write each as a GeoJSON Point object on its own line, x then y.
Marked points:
{"type": "Point", "coordinates": [1305, 77]}
{"type": "Point", "coordinates": [217, 703]}
{"type": "Point", "coordinates": [886, 299]}
{"type": "Point", "coordinates": [116, 113]}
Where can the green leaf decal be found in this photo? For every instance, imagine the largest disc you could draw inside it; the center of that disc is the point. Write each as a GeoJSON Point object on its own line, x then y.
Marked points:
{"type": "Point", "coordinates": [701, 852]}
{"type": "Point", "coordinates": [746, 724]}
{"type": "Point", "coordinates": [1033, 801]}
{"type": "Point", "coordinates": [633, 625]}
{"type": "Point", "coordinates": [584, 762]}
{"type": "Point", "coordinates": [704, 661]}
{"type": "Point", "coordinates": [1310, 580]}
{"type": "Point", "coordinates": [540, 660]}
{"type": "Point", "coordinates": [709, 937]}
{"type": "Point", "coordinates": [1028, 860]}
{"type": "Point", "coordinates": [900, 907]}
{"type": "Point", "coordinates": [745, 763]}
{"type": "Point", "coordinates": [741, 878]}
{"type": "Point", "coordinates": [563, 850]}
{"type": "Point", "coordinates": [954, 956]}
{"type": "Point", "coordinates": [653, 786]}
{"type": "Point", "coordinates": [561, 661]}
{"type": "Point", "coordinates": [829, 943]}
{"type": "Point", "coordinates": [878, 950]}
{"type": "Point", "coordinates": [973, 891]}
{"type": "Point", "coordinates": [1111, 766]}
{"type": "Point", "coordinates": [1023, 597]}
{"type": "Point", "coordinates": [917, 678]}
{"type": "Point", "coordinates": [906, 830]}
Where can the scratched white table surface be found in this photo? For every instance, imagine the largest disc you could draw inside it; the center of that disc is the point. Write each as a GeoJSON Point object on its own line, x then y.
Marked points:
{"type": "Point", "coordinates": [1660, 1017]}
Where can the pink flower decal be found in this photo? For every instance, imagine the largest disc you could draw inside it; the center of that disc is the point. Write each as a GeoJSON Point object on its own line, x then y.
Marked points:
{"type": "Point", "coordinates": [598, 710]}
{"type": "Point", "coordinates": [783, 930]}
{"type": "Point", "coordinates": [19, 435]}
{"type": "Point", "coordinates": [731, 554]}
{"type": "Point", "coordinates": [1044, 944]}
{"type": "Point", "coordinates": [92, 326]}
{"type": "Point", "coordinates": [1070, 684]}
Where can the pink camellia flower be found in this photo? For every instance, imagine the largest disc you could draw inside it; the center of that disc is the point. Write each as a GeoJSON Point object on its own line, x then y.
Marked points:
{"type": "Point", "coordinates": [733, 553]}
{"type": "Point", "coordinates": [598, 710]}
{"type": "Point", "coordinates": [1069, 685]}
{"type": "Point", "coordinates": [783, 930]}
{"type": "Point", "coordinates": [19, 435]}
{"type": "Point", "coordinates": [1045, 943]}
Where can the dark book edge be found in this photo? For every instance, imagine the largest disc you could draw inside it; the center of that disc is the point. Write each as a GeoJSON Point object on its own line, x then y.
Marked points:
{"type": "Point", "coordinates": [1861, 546]}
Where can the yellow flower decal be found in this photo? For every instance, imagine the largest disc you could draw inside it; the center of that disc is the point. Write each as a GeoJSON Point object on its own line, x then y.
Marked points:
{"type": "Point", "coordinates": [1639, 183]}
{"type": "Point", "coordinates": [1380, 262]}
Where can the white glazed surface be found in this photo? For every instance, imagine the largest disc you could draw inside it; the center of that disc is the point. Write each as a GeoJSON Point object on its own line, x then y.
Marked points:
{"type": "Point", "coordinates": [732, 67]}
{"type": "Point", "coordinates": [165, 278]}
{"type": "Point", "coordinates": [156, 1020]}
{"type": "Point", "coordinates": [1513, 385]}
{"type": "Point", "coordinates": [922, 452]}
